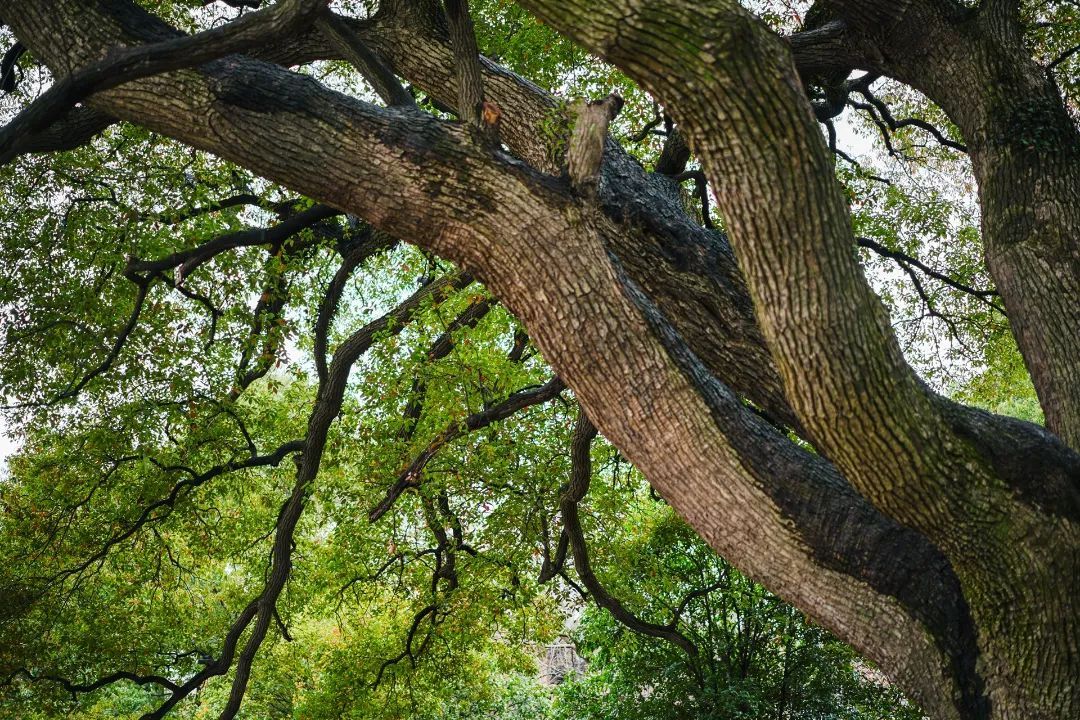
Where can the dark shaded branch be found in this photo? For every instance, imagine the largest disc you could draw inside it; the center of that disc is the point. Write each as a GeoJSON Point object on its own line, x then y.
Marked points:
{"type": "Point", "coordinates": [367, 63]}
{"type": "Point", "coordinates": [831, 131]}
{"type": "Point", "coordinates": [518, 401]}
{"type": "Point", "coordinates": [188, 260]}
{"type": "Point", "coordinates": [400, 559]}
{"type": "Point", "coordinates": [694, 595]}
{"type": "Point", "coordinates": [1063, 57]}
{"type": "Point", "coordinates": [881, 114]}
{"type": "Point", "coordinates": [554, 566]}
{"type": "Point", "coordinates": [124, 64]}
{"type": "Point", "coordinates": [367, 244]}
{"type": "Point", "coordinates": [580, 476]}
{"type": "Point", "coordinates": [394, 321]}
{"type": "Point", "coordinates": [830, 99]}
{"type": "Point", "coordinates": [238, 4]}
{"type": "Point", "coordinates": [232, 201]}
{"type": "Point", "coordinates": [213, 668]}
{"type": "Point", "coordinates": [675, 154]}
{"type": "Point", "coordinates": [72, 130]}
{"type": "Point", "coordinates": [826, 48]}
{"type": "Point", "coordinates": [903, 258]}
{"type": "Point", "coordinates": [327, 407]}
{"type": "Point", "coordinates": [76, 386]}
{"type": "Point", "coordinates": [82, 688]}
{"type": "Point", "coordinates": [444, 573]}
{"type": "Point", "coordinates": [214, 310]}
{"type": "Point", "coordinates": [650, 127]}
{"type": "Point", "coordinates": [257, 358]}
{"type": "Point", "coordinates": [7, 66]}
{"type": "Point", "coordinates": [118, 344]}
{"type": "Point", "coordinates": [410, 638]}
{"type": "Point", "coordinates": [521, 344]}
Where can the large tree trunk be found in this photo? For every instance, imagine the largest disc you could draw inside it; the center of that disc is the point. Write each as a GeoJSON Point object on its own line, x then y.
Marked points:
{"type": "Point", "coordinates": [1025, 151]}
{"type": "Point", "coordinates": [738, 96]}
{"type": "Point", "coordinates": [941, 541]}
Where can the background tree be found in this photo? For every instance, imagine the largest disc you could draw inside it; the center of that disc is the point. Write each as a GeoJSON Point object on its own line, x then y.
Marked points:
{"type": "Point", "coordinates": [758, 657]}
{"type": "Point", "coordinates": [151, 286]}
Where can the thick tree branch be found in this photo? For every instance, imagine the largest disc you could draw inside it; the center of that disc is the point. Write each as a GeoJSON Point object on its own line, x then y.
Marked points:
{"type": "Point", "coordinates": [586, 146]}
{"type": "Point", "coordinates": [468, 221]}
{"type": "Point", "coordinates": [8, 65]}
{"type": "Point", "coordinates": [824, 50]}
{"type": "Point", "coordinates": [74, 129]}
{"type": "Point", "coordinates": [470, 81]}
{"type": "Point", "coordinates": [749, 122]}
{"type": "Point", "coordinates": [126, 64]}
{"type": "Point", "coordinates": [1025, 151]}
{"type": "Point", "coordinates": [370, 65]}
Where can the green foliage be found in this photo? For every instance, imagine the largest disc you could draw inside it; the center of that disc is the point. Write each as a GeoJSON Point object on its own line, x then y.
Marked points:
{"type": "Point", "coordinates": [1003, 386]}
{"type": "Point", "coordinates": [758, 656]}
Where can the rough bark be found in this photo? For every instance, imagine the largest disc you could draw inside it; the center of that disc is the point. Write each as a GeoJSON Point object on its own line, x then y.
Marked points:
{"type": "Point", "coordinates": [688, 270]}
{"type": "Point", "coordinates": [735, 90]}
{"type": "Point", "coordinates": [1024, 148]}
{"type": "Point", "coordinates": [920, 536]}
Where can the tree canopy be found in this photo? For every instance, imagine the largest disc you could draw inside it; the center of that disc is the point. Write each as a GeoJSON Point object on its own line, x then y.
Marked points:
{"type": "Point", "coordinates": [357, 352]}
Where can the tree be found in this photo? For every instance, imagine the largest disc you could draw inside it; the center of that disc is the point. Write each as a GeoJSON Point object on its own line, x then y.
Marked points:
{"type": "Point", "coordinates": [751, 374]}
{"type": "Point", "coordinates": [758, 657]}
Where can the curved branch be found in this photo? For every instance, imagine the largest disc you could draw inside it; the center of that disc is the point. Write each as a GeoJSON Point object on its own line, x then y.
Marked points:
{"type": "Point", "coordinates": [364, 246]}
{"type": "Point", "coordinates": [701, 186]}
{"type": "Point", "coordinates": [980, 295]}
{"type": "Point", "coordinates": [580, 475]}
{"type": "Point", "coordinates": [83, 688]}
{"type": "Point", "coordinates": [411, 477]}
{"type": "Point", "coordinates": [74, 129]}
{"type": "Point", "coordinates": [884, 117]}
{"type": "Point", "coordinates": [369, 64]}
{"type": "Point", "coordinates": [693, 277]}
{"type": "Point", "coordinates": [187, 261]}
{"type": "Point", "coordinates": [125, 64]}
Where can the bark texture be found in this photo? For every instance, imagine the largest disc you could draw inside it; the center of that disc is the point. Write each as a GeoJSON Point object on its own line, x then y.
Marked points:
{"type": "Point", "coordinates": [735, 90]}
{"type": "Point", "coordinates": [939, 540]}
{"type": "Point", "coordinates": [1024, 147]}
